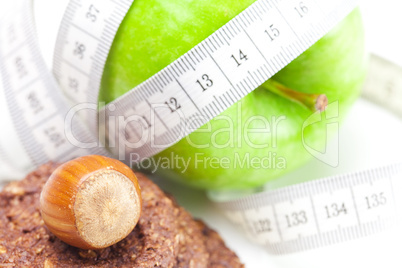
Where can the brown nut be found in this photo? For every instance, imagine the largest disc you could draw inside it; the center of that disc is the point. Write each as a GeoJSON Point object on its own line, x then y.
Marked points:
{"type": "Point", "coordinates": [91, 202]}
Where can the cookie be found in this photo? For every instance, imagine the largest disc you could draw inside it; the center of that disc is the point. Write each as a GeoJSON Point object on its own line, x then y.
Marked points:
{"type": "Point", "coordinates": [165, 236]}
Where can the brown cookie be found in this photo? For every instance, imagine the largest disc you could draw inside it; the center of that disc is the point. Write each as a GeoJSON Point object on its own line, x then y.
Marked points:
{"type": "Point", "coordinates": [166, 235]}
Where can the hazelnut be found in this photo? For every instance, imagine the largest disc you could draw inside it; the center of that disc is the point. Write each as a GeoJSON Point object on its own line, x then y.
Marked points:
{"type": "Point", "coordinates": [91, 202]}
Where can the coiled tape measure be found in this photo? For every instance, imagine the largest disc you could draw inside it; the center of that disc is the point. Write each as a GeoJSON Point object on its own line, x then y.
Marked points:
{"type": "Point", "coordinates": [291, 219]}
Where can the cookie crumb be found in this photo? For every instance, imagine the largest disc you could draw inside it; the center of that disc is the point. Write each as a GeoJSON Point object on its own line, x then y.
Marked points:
{"type": "Point", "coordinates": [48, 264]}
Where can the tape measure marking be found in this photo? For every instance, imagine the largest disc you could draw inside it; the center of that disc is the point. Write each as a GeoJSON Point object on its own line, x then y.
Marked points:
{"type": "Point", "coordinates": [386, 76]}
{"type": "Point", "coordinates": [320, 213]}
{"type": "Point", "coordinates": [224, 68]}
{"type": "Point", "coordinates": [83, 43]}
{"type": "Point", "coordinates": [36, 105]}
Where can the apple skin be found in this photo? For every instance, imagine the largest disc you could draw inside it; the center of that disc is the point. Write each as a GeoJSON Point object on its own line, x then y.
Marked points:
{"type": "Point", "coordinates": [157, 32]}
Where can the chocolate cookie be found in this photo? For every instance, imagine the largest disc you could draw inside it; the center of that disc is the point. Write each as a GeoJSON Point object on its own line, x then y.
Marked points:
{"type": "Point", "coordinates": [166, 235]}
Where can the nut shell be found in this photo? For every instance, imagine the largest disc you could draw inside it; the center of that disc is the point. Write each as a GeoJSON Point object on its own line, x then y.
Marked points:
{"type": "Point", "coordinates": [59, 203]}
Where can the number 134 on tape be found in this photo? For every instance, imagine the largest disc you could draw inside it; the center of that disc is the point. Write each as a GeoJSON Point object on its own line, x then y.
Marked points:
{"type": "Point", "coordinates": [322, 212]}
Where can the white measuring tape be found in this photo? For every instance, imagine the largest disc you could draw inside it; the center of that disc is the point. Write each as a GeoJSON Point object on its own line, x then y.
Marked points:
{"type": "Point", "coordinates": [84, 40]}
{"type": "Point", "coordinates": [36, 105]}
{"type": "Point", "coordinates": [321, 212]}
{"type": "Point", "coordinates": [292, 219]}
{"type": "Point", "coordinates": [186, 84]}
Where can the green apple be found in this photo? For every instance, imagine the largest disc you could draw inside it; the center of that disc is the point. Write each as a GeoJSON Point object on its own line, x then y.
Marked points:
{"type": "Point", "coordinates": [258, 138]}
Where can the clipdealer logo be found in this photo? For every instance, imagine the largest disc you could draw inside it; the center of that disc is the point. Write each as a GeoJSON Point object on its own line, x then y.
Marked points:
{"type": "Point", "coordinates": [330, 117]}
{"type": "Point", "coordinates": [202, 161]}
{"type": "Point", "coordinates": [120, 138]}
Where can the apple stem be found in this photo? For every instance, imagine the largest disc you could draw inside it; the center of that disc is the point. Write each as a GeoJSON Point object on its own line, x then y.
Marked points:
{"type": "Point", "coordinates": [313, 102]}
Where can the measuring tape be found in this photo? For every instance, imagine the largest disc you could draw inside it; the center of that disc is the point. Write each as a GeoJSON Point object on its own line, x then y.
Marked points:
{"type": "Point", "coordinates": [320, 213]}
{"type": "Point", "coordinates": [87, 30]}
{"type": "Point", "coordinates": [292, 219]}
{"type": "Point", "coordinates": [36, 105]}
{"type": "Point", "coordinates": [206, 64]}
{"type": "Point", "coordinates": [331, 210]}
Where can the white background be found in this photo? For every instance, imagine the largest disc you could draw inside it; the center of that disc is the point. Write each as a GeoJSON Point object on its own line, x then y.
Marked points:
{"type": "Point", "coordinates": [371, 136]}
